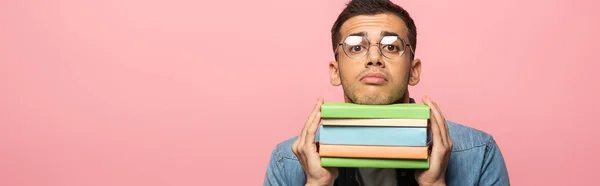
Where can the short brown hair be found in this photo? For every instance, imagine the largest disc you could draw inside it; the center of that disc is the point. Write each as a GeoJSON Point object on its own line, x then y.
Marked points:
{"type": "Point", "coordinates": [372, 7]}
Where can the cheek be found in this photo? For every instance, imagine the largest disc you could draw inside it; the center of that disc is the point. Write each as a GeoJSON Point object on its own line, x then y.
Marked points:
{"type": "Point", "coordinates": [349, 72]}
{"type": "Point", "coordinates": [400, 73]}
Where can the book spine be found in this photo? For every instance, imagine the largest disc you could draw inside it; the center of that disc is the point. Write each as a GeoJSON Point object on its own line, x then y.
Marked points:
{"type": "Point", "coordinates": [372, 135]}
{"type": "Point", "coordinates": [374, 163]}
{"type": "Point", "coordinates": [362, 151]}
{"type": "Point", "coordinates": [398, 112]}
{"type": "Point", "coordinates": [375, 122]}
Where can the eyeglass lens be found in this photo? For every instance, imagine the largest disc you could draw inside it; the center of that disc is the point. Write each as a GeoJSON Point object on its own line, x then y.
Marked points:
{"type": "Point", "coordinates": [356, 47]}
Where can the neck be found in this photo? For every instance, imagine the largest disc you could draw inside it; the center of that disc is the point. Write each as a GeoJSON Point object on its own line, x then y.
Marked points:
{"type": "Point", "coordinates": [405, 98]}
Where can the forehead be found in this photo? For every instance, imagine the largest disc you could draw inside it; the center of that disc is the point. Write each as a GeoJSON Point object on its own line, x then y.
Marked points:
{"type": "Point", "coordinates": [373, 25]}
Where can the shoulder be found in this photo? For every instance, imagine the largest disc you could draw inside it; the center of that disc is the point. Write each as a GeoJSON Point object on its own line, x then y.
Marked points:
{"type": "Point", "coordinates": [284, 167]}
{"type": "Point", "coordinates": [465, 137]}
{"type": "Point", "coordinates": [475, 153]}
{"type": "Point", "coordinates": [283, 150]}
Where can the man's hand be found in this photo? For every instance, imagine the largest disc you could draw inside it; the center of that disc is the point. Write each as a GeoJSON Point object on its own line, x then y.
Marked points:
{"type": "Point", "coordinates": [440, 152]}
{"type": "Point", "coordinates": [305, 149]}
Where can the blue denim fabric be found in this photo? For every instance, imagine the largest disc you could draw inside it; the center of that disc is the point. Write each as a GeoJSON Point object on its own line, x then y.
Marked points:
{"type": "Point", "coordinates": [475, 160]}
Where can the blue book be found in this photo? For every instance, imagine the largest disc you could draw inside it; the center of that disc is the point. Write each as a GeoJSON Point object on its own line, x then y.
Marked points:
{"type": "Point", "coordinates": [372, 135]}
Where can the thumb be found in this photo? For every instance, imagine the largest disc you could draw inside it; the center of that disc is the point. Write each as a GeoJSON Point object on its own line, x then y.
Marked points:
{"type": "Point", "coordinates": [334, 172]}
{"type": "Point", "coordinates": [418, 173]}
{"type": "Point", "coordinates": [425, 99]}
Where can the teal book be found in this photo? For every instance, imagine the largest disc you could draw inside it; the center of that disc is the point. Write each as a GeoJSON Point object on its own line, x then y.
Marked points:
{"type": "Point", "coordinates": [390, 111]}
{"type": "Point", "coordinates": [372, 135]}
{"type": "Point", "coordinates": [375, 163]}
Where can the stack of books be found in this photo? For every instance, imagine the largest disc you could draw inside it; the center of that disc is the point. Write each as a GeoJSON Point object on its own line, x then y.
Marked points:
{"type": "Point", "coordinates": [374, 136]}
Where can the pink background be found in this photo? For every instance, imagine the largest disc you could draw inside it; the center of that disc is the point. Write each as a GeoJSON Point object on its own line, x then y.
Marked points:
{"type": "Point", "coordinates": [132, 92]}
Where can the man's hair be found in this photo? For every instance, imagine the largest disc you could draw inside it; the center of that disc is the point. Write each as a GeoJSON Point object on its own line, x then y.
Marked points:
{"type": "Point", "coordinates": [372, 7]}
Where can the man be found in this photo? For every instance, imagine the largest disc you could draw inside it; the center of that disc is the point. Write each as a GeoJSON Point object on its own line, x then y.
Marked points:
{"type": "Point", "coordinates": [374, 43]}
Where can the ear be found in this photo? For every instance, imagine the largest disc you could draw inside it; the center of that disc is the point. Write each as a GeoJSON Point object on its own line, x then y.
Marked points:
{"type": "Point", "coordinates": [334, 73]}
{"type": "Point", "coordinates": [415, 72]}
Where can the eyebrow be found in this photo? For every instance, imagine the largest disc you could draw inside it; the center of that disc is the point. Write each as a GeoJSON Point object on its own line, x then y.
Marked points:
{"type": "Point", "coordinates": [358, 34]}
{"type": "Point", "coordinates": [386, 33]}
{"type": "Point", "coordinates": [383, 33]}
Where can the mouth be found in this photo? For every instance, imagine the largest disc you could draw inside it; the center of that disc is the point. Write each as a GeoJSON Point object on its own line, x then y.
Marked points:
{"type": "Point", "coordinates": [374, 78]}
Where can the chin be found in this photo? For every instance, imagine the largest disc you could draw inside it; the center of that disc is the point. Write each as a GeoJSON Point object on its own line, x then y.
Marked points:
{"type": "Point", "coordinates": [372, 102]}
{"type": "Point", "coordinates": [374, 99]}
{"type": "Point", "coordinates": [372, 95]}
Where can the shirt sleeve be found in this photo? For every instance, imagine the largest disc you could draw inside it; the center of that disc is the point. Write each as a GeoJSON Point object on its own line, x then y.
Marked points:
{"type": "Point", "coordinates": [275, 172]}
{"type": "Point", "coordinates": [494, 171]}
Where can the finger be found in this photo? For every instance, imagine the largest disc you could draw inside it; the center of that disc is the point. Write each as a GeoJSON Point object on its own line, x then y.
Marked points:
{"type": "Point", "coordinates": [437, 150]}
{"type": "Point", "coordinates": [435, 129]}
{"type": "Point", "coordinates": [301, 137]}
{"type": "Point", "coordinates": [310, 120]}
{"type": "Point", "coordinates": [442, 118]}
{"type": "Point", "coordinates": [315, 110]}
{"type": "Point", "coordinates": [439, 121]}
{"type": "Point", "coordinates": [314, 125]}
{"type": "Point", "coordinates": [296, 148]}
{"type": "Point", "coordinates": [445, 125]}
{"type": "Point", "coordinates": [310, 147]}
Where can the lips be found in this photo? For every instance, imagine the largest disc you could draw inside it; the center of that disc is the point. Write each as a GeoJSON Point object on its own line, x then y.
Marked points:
{"type": "Point", "coordinates": [374, 78]}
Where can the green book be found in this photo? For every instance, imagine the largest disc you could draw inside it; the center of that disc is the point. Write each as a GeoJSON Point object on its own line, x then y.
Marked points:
{"type": "Point", "coordinates": [390, 111]}
{"type": "Point", "coordinates": [374, 163]}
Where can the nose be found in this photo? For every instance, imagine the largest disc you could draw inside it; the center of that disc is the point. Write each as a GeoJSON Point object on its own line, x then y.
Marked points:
{"type": "Point", "coordinates": [374, 58]}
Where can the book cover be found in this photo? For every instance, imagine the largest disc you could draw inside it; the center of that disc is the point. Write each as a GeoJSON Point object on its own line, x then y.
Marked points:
{"type": "Point", "coordinates": [352, 110]}
{"type": "Point", "coordinates": [374, 163]}
{"type": "Point", "coordinates": [372, 135]}
{"type": "Point", "coordinates": [366, 151]}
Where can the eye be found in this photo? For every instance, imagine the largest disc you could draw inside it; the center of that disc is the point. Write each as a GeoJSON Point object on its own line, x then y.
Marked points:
{"type": "Point", "coordinates": [356, 48]}
{"type": "Point", "coordinates": [390, 48]}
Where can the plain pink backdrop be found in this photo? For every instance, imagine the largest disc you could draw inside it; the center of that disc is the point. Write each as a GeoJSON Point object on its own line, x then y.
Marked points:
{"type": "Point", "coordinates": [132, 92]}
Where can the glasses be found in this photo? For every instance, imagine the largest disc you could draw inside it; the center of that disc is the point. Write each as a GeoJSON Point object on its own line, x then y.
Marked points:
{"type": "Point", "coordinates": [357, 47]}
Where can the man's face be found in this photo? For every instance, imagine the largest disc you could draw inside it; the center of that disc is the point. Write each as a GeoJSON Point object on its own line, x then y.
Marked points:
{"type": "Point", "coordinates": [374, 78]}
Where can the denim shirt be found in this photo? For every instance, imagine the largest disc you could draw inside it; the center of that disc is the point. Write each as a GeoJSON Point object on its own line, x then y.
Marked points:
{"type": "Point", "coordinates": [475, 160]}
